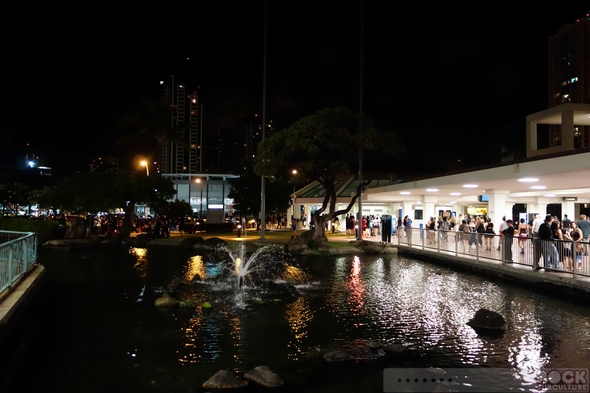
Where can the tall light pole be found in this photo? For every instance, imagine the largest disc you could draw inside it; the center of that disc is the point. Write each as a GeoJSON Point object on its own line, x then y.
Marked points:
{"type": "Point", "coordinates": [359, 234]}
{"type": "Point", "coordinates": [294, 172]}
{"type": "Point", "coordinates": [147, 168]}
{"type": "Point", "coordinates": [201, 199]}
{"type": "Point", "coordinates": [262, 186]}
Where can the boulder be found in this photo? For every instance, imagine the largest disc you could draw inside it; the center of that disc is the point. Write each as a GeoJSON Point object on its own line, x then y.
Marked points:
{"type": "Point", "coordinates": [297, 246]}
{"type": "Point", "coordinates": [487, 320]}
{"type": "Point", "coordinates": [175, 284]}
{"type": "Point", "coordinates": [214, 242]}
{"type": "Point", "coordinates": [361, 350]}
{"type": "Point", "coordinates": [224, 379]}
{"type": "Point", "coordinates": [262, 375]}
{"type": "Point", "coordinates": [189, 242]}
{"type": "Point", "coordinates": [166, 301]}
{"type": "Point", "coordinates": [370, 247]}
{"type": "Point", "coordinates": [393, 348]}
{"type": "Point", "coordinates": [338, 355]}
{"type": "Point", "coordinates": [188, 304]}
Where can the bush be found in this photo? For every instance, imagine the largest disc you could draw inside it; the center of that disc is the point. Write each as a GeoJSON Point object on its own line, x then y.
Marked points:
{"type": "Point", "coordinates": [45, 229]}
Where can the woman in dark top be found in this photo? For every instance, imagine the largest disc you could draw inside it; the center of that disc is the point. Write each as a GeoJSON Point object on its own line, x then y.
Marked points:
{"type": "Point", "coordinates": [565, 252]}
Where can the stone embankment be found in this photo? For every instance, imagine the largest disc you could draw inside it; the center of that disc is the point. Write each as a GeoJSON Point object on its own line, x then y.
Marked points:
{"type": "Point", "coordinates": [297, 246]}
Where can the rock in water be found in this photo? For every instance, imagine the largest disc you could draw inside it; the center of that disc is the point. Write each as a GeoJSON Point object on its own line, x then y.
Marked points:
{"type": "Point", "coordinates": [393, 348]}
{"type": "Point", "coordinates": [262, 375]}
{"type": "Point", "coordinates": [166, 301]}
{"type": "Point", "coordinates": [486, 319]}
{"type": "Point", "coordinates": [224, 379]}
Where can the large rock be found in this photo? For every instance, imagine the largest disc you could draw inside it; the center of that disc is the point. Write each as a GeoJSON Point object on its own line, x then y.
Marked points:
{"type": "Point", "coordinates": [224, 379]}
{"type": "Point", "coordinates": [361, 350]}
{"type": "Point", "coordinates": [166, 301]}
{"type": "Point", "coordinates": [262, 375]}
{"type": "Point", "coordinates": [487, 320]}
{"type": "Point", "coordinates": [189, 242]}
{"type": "Point", "coordinates": [297, 246]}
{"type": "Point", "coordinates": [214, 242]}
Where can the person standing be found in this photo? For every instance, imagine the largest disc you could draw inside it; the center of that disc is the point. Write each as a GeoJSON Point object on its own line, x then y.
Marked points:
{"type": "Point", "coordinates": [503, 226]}
{"type": "Point", "coordinates": [507, 237]}
{"type": "Point", "coordinates": [293, 229]}
{"type": "Point", "coordinates": [584, 226]}
{"type": "Point", "coordinates": [566, 223]}
{"type": "Point", "coordinates": [408, 229]}
{"type": "Point", "coordinates": [547, 248]}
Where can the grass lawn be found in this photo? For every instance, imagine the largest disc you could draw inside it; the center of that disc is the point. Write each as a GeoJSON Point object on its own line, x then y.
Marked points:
{"type": "Point", "coordinates": [336, 240]}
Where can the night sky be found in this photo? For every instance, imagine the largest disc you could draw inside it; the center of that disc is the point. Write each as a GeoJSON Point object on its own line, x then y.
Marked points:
{"type": "Point", "coordinates": [449, 80]}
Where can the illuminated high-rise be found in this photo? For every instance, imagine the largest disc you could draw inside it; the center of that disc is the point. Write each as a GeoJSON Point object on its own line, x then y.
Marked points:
{"type": "Point", "coordinates": [569, 74]}
{"type": "Point", "coordinates": [181, 157]}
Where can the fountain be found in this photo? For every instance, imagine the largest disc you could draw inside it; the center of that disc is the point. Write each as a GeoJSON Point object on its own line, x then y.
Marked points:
{"type": "Point", "coordinates": [259, 272]}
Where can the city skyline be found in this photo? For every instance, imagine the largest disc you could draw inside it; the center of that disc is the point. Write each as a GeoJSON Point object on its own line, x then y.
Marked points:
{"type": "Point", "coordinates": [460, 82]}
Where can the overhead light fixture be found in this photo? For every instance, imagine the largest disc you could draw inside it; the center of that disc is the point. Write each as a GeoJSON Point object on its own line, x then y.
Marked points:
{"type": "Point", "coordinates": [455, 193]}
{"type": "Point", "coordinates": [405, 193]}
{"type": "Point", "coordinates": [528, 179]}
{"type": "Point", "coordinates": [431, 189]}
{"type": "Point", "coordinates": [538, 187]}
{"type": "Point", "coordinates": [549, 195]}
{"type": "Point", "coordinates": [469, 185]}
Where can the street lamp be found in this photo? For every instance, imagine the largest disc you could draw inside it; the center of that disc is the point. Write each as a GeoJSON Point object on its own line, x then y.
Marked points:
{"type": "Point", "coordinates": [145, 164]}
{"type": "Point", "coordinates": [201, 200]}
{"type": "Point", "coordinates": [294, 172]}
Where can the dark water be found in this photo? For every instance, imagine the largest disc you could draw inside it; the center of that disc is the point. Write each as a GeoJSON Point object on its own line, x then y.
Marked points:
{"type": "Point", "coordinates": [93, 327]}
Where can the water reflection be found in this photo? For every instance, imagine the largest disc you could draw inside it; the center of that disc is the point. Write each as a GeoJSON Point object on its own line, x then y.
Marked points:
{"type": "Point", "coordinates": [298, 315]}
{"type": "Point", "coordinates": [141, 262]}
{"type": "Point", "coordinates": [195, 267]}
{"type": "Point", "coordinates": [391, 299]}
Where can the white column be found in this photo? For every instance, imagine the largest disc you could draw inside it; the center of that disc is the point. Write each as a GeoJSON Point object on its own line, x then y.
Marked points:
{"type": "Point", "coordinates": [429, 207]}
{"type": "Point", "coordinates": [538, 206]}
{"type": "Point", "coordinates": [569, 208]}
{"type": "Point", "coordinates": [567, 131]}
{"type": "Point", "coordinates": [498, 207]}
{"type": "Point", "coordinates": [407, 210]}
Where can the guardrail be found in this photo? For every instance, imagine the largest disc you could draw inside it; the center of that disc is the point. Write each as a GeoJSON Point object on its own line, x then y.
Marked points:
{"type": "Point", "coordinates": [18, 252]}
{"type": "Point", "coordinates": [551, 255]}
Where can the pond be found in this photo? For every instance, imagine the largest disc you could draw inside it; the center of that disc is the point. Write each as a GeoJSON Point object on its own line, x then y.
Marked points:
{"type": "Point", "coordinates": [93, 326]}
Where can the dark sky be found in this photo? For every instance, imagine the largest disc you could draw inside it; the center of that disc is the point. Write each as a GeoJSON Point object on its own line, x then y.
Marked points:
{"type": "Point", "coordinates": [453, 79]}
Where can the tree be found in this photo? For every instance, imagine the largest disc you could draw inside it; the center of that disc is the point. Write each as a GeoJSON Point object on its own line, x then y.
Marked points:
{"type": "Point", "coordinates": [155, 123]}
{"type": "Point", "coordinates": [177, 209]}
{"type": "Point", "coordinates": [322, 147]}
{"type": "Point", "coordinates": [93, 192]}
{"type": "Point", "coordinates": [245, 191]}
{"type": "Point", "coordinates": [14, 196]}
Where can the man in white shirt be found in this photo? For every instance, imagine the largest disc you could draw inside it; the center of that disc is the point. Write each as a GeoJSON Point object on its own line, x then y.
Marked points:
{"type": "Point", "coordinates": [537, 221]}
{"type": "Point", "coordinates": [503, 225]}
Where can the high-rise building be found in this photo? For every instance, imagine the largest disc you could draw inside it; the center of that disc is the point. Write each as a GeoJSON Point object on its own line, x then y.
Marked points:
{"type": "Point", "coordinates": [569, 74]}
{"type": "Point", "coordinates": [242, 142]}
{"type": "Point", "coordinates": [185, 112]}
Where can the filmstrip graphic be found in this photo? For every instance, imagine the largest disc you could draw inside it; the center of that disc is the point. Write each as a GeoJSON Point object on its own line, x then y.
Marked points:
{"type": "Point", "coordinates": [484, 380]}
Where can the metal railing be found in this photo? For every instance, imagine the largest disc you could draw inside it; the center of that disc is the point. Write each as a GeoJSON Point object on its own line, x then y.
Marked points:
{"type": "Point", "coordinates": [551, 255]}
{"type": "Point", "coordinates": [18, 252]}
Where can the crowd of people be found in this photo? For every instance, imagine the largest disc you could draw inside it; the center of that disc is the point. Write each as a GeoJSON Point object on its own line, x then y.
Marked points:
{"type": "Point", "coordinates": [556, 244]}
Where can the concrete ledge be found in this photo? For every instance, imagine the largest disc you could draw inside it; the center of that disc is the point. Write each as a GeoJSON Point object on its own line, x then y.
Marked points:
{"type": "Point", "coordinates": [13, 299]}
{"type": "Point", "coordinates": [565, 283]}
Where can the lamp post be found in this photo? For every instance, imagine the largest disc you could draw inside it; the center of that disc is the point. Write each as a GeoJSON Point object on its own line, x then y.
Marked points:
{"type": "Point", "coordinates": [201, 199]}
{"type": "Point", "coordinates": [147, 168]}
{"type": "Point", "coordinates": [294, 172]}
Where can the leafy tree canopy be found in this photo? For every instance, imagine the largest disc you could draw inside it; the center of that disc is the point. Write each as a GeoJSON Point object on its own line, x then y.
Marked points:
{"type": "Point", "coordinates": [245, 191]}
{"type": "Point", "coordinates": [322, 147]}
{"type": "Point", "coordinates": [93, 192]}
